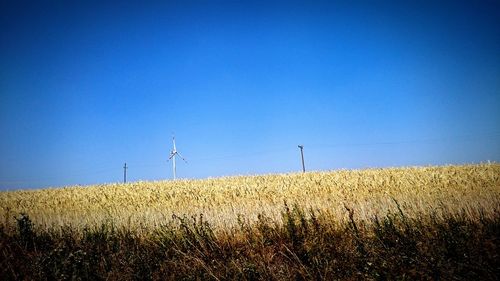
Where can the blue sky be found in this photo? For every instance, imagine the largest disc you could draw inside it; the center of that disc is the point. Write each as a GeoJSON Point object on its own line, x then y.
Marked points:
{"type": "Point", "coordinates": [86, 86]}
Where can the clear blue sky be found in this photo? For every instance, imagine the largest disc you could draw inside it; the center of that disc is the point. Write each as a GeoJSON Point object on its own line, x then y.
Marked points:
{"type": "Point", "coordinates": [86, 86]}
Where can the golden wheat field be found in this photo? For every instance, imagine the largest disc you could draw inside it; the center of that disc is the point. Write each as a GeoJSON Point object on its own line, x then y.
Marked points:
{"type": "Point", "coordinates": [142, 206]}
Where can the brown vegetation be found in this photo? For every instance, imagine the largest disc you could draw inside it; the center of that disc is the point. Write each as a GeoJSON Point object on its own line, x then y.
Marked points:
{"type": "Point", "coordinates": [406, 224]}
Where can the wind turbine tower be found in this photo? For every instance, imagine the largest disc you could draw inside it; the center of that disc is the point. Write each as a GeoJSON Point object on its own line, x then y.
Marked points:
{"type": "Point", "coordinates": [174, 153]}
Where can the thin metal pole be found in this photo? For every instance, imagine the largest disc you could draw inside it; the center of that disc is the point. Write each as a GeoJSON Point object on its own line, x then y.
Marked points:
{"type": "Point", "coordinates": [173, 165]}
{"type": "Point", "coordinates": [125, 173]}
{"type": "Point", "coordinates": [302, 154]}
{"type": "Point", "coordinates": [174, 152]}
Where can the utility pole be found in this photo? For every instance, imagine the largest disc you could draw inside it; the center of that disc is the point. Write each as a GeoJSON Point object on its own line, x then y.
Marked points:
{"type": "Point", "coordinates": [125, 173]}
{"type": "Point", "coordinates": [302, 154]}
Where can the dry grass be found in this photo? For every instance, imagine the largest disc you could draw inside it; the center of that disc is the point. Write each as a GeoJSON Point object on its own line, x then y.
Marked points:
{"type": "Point", "coordinates": [429, 223]}
{"type": "Point", "coordinates": [141, 206]}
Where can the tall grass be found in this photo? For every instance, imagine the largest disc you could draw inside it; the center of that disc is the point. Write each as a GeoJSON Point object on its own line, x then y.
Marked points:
{"type": "Point", "coordinates": [305, 246]}
{"type": "Point", "coordinates": [142, 206]}
{"type": "Point", "coordinates": [418, 223]}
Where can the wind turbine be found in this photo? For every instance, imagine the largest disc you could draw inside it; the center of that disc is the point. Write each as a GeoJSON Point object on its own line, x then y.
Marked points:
{"type": "Point", "coordinates": [174, 153]}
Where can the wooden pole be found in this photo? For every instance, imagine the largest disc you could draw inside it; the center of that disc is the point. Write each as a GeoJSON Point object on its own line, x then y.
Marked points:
{"type": "Point", "coordinates": [302, 154]}
{"type": "Point", "coordinates": [125, 173]}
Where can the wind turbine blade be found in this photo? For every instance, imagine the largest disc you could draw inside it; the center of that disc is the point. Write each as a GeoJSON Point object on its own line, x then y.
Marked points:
{"type": "Point", "coordinates": [181, 157]}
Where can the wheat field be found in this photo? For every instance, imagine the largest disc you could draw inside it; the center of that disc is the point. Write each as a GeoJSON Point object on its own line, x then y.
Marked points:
{"type": "Point", "coordinates": [142, 206]}
{"type": "Point", "coordinates": [413, 223]}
